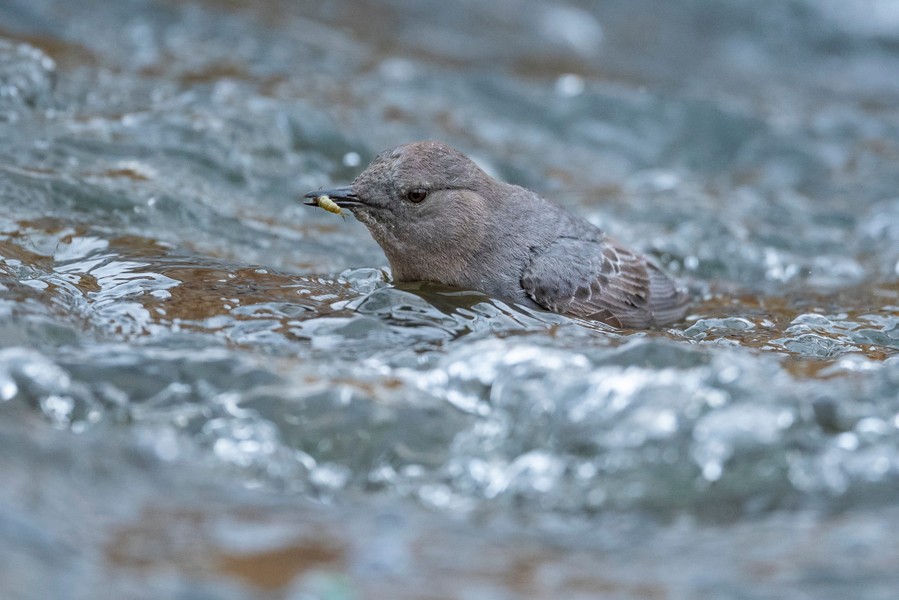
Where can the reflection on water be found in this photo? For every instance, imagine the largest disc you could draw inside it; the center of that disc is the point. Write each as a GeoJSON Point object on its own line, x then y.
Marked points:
{"type": "Point", "coordinates": [209, 390]}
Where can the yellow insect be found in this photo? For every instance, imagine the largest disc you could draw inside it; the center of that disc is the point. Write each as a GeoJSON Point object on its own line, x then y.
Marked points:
{"type": "Point", "coordinates": [329, 205]}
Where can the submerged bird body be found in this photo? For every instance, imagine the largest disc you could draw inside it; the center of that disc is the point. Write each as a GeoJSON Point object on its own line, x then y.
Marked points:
{"type": "Point", "coordinates": [440, 218]}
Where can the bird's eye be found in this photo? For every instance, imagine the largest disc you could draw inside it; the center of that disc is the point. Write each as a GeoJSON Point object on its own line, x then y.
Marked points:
{"type": "Point", "coordinates": [417, 195]}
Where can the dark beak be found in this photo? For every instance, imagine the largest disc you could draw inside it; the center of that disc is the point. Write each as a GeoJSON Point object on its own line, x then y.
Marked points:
{"type": "Point", "coordinates": [342, 196]}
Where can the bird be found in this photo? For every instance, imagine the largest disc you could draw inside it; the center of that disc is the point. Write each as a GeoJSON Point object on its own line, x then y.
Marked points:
{"type": "Point", "coordinates": [440, 218]}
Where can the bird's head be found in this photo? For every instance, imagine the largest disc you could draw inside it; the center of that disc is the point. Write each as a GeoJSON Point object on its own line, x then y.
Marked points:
{"type": "Point", "coordinates": [425, 204]}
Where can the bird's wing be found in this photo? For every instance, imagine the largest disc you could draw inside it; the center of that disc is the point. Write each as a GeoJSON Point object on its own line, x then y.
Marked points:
{"type": "Point", "coordinates": [603, 281]}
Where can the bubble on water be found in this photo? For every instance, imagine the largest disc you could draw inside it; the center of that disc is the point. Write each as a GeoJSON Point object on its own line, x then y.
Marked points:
{"type": "Point", "coordinates": [778, 267]}
{"type": "Point", "coordinates": [365, 280]}
{"type": "Point", "coordinates": [813, 345]}
{"type": "Point", "coordinates": [702, 328]}
{"type": "Point", "coordinates": [569, 85]}
{"type": "Point", "coordinates": [242, 441]}
{"type": "Point", "coordinates": [812, 319]}
{"type": "Point", "coordinates": [712, 470]}
{"type": "Point", "coordinates": [847, 441]}
{"type": "Point", "coordinates": [58, 409]}
{"type": "Point", "coordinates": [437, 495]}
{"type": "Point", "coordinates": [330, 476]}
{"type": "Point", "coordinates": [8, 387]}
{"type": "Point", "coordinates": [351, 159]}
{"type": "Point", "coordinates": [729, 374]}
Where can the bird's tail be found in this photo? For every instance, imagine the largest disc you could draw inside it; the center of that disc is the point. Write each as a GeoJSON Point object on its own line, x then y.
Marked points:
{"type": "Point", "coordinates": [667, 301]}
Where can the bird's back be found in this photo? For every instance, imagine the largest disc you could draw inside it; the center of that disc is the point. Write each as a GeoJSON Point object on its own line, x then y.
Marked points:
{"type": "Point", "coordinates": [570, 266]}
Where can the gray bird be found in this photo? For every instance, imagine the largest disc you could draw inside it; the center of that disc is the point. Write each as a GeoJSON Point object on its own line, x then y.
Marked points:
{"type": "Point", "coordinates": [440, 218]}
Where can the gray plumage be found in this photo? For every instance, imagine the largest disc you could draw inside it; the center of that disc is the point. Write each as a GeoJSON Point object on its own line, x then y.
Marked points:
{"type": "Point", "coordinates": [440, 218]}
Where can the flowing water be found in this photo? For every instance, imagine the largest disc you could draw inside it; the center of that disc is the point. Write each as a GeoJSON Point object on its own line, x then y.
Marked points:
{"type": "Point", "coordinates": [208, 390]}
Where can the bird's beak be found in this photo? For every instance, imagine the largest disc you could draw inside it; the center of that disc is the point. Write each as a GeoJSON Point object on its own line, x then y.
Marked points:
{"type": "Point", "coordinates": [342, 196]}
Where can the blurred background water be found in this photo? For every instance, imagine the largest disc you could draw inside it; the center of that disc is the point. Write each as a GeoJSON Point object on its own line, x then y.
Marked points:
{"type": "Point", "coordinates": [210, 391]}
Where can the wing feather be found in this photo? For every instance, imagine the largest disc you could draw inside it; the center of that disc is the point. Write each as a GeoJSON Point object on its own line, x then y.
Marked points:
{"type": "Point", "coordinates": [604, 281]}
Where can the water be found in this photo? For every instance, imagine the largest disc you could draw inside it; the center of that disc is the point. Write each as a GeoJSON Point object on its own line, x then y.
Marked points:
{"type": "Point", "coordinates": [209, 390]}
